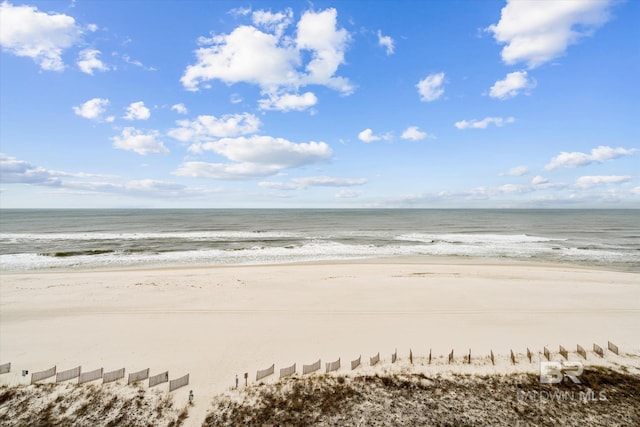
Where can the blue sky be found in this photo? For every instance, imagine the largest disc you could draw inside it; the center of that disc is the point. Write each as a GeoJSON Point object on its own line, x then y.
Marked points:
{"type": "Point", "coordinates": [479, 104]}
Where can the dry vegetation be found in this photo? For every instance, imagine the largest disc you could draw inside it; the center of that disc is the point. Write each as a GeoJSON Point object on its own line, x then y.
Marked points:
{"type": "Point", "coordinates": [440, 400]}
{"type": "Point", "coordinates": [86, 405]}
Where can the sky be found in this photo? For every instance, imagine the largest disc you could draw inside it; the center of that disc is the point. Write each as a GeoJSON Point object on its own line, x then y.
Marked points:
{"type": "Point", "coordinates": [315, 104]}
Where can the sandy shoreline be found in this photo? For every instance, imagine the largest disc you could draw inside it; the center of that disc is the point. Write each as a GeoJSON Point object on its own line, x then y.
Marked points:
{"type": "Point", "coordinates": [216, 322]}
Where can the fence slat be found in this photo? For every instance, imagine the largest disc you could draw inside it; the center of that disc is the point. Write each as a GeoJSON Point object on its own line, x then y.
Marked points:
{"type": "Point", "coordinates": [612, 347]}
{"type": "Point", "coordinates": [85, 377]}
{"type": "Point", "coordinates": [265, 372]}
{"type": "Point", "coordinates": [307, 369]}
{"type": "Point", "coordinates": [178, 382]}
{"type": "Point", "coordinates": [394, 357]}
{"type": "Point", "coordinates": [5, 368]}
{"type": "Point", "coordinates": [138, 376]}
{"type": "Point", "coordinates": [43, 375]}
{"type": "Point", "coordinates": [160, 378]}
{"type": "Point", "coordinates": [374, 360]}
{"type": "Point", "coordinates": [108, 377]}
{"type": "Point", "coordinates": [68, 374]}
{"type": "Point", "coordinates": [564, 353]}
{"type": "Point", "coordinates": [333, 366]}
{"type": "Point", "coordinates": [529, 355]}
{"type": "Point", "coordinates": [513, 358]}
{"type": "Point", "coordinates": [547, 353]}
{"type": "Point", "coordinates": [451, 356]}
{"type": "Point", "coordinates": [356, 363]}
{"type": "Point", "coordinates": [493, 360]}
{"type": "Point", "coordinates": [286, 372]}
{"type": "Point", "coordinates": [598, 350]}
{"type": "Point", "coordinates": [581, 351]}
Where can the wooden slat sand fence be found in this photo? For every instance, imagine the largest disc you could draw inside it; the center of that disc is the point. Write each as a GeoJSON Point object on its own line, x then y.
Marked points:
{"type": "Point", "coordinates": [547, 353]}
{"type": "Point", "coordinates": [429, 356]}
{"type": "Point", "coordinates": [265, 372]}
{"type": "Point", "coordinates": [529, 355]}
{"type": "Point", "coordinates": [374, 360]}
{"type": "Point", "coordinates": [333, 366]}
{"type": "Point", "coordinates": [138, 376]}
{"type": "Point", "coordinates": [513, 357]}
{"type": "Point", "coordinates": [307, 369]}
{"type": "Point", "coordinates": [85, 377]}
{"type": "Point", "coordinates": [160, 378]}
{"type": "Point", "coordinates": [468, 358]}
{"type": "Point", "coordinates": [612, 347]}
{"type": "Point", "coordinates": [451, 356]}
{"type": "Point", "coordinates": [43, 375]}
{"type": "Point", "coordinates": [410, 356]}
{"type": "Point", "coordinates": [68, 374]}
{"type": "Point", "coordinates": [564, 353]}
{"type": "Point", "coordinates": [287, 372]}
{"type": "Point", "coordinates": [108, 377]}
{"type": "Point", "coordinates": [493, 360]}
{"type": "Point", "coordinates": [356, 363]}
{"type": "Point", "coordinates": [581, 351]}
{"type": "Point", "coordinates": [5, 368]}
{"type": "Point", "coordinates": [178, 382]}
{"type": "Point", "coordinates": [394, 356]}
{"type": "Point", "coordinates": [598, 350]}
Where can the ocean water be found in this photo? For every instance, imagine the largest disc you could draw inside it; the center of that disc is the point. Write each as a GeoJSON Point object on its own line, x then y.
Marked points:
{"type": "Point", "coordinates": [36, 240]}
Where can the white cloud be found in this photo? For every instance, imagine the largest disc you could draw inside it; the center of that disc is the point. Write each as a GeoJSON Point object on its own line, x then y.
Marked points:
{"type": "Point", "coordinates": [513, 188]}
{"type": "Point", "coordinates": [539, 180]}
{"type": "Point", "coordinates": [413, 133]}
{"type": "Point", "coordinates": [636, 191]}
{"type": "Point", "coordinates": [88, 61]}
{"type": "Point", "coordinates": [512, 85]}
{"type": "Point", "coordinates": [517, 171]}
{"type": "Point", "coordinates": [255, 156]}
{"type": "Point", "coordinates": [14, 171]}
{"type": "Point", "coordinates": [206, 128]}
{"type": "Point", "coordinates": [179, 108]}
{"type": "Point", "coordinates": [368, 136]}
{"type": "Point", "coordinates": [137, 111]}
{"type": "Point", "coordinates": [536, 31]}
{"type": "Point", "coordinates": [235, 98]}
{"type": "Point", "coordinates": [273, 60]}
{"type": "Point", "coordinates": [386, 42]}
{"type": "Point", "coordinates": [348, 194]}
{"type": "Point", "coordinates": [598, 155]}
{"type": "Point", "coordinates": [430, 88]}
{"type": "Point", "coordinates": [25, 31]}
{"type": "Point", "coordinates": [139, 142]}
{"type": "Point", "coordinates": [288, 102]}
{"type": "Point", "coordinates": [274, 22]}
{"type": "Point", "coordinates": [484, 123]}
{"type": "Point", "coordinates": [593, 181]}
{"type": "Point", "coordinates": [313, 181]}
{"type": "Point", "coordinates": [93, 109]}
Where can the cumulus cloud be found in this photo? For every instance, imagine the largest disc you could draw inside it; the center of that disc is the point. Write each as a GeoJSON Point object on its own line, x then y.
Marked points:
{"type": "Point", "coordinates": [88, 61]}
{"type": "Point", "coordinates": [94, 109]}
{"type": "Point", "coordinates": [535, 32]}
{"type": "Point", "coordinates": [139, 142]}
{"type": "Point", "coordinates": [255, 156]}
{"type": "Point", "coordinates": [431, 87]}
{"type": "Point", "coordinates": [368, 136]}
{"type": "Point", "coordinates": [516, 171]}
{"type": "Point", "coordinates": [348, 194]}
{"type": "Point", "coordinates": [484, 123]}
{"type": "Point", "coordinates": [599, 154]}
{"type": "Point", "coordinates": [137, 111]}
{"type": "Point", "coordinates": [179, 108]}
{"type": "Point", "coordinates": [272, 60]}
{"type": "Point", "coordinates": [288, 102]}
{"type": "Point", "coordinates": [511, 85]}
{"type": "Point", "coordinates": [206, 127]}
{"type": "Point", "coordinates": [594, 181]}
{"type": "Point", "coordinates": [43, 37]}
{"type": "Point", "coordinates": [413, 133]}
{"type": "Point", "coordinates": [313, 181]}
{"type": "Point", "coordinates": [386, 42]}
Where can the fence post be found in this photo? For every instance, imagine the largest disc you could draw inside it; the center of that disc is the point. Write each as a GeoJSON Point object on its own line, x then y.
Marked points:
{"type": "Point", "coordinates": [529, 355]}
{"type": "Point", "coordinates": [513, 358]}
{"type": "Point", "coordinates": [547, 353]}
{"type": "Point", "coordinates": [598, 350]}
{"type": "Point", "coordinates": [581, 351]}
{"type": "Point", "coordinates": [612, 347]}
{"type": "Point", "coordinates": [493, 362]}
{"type": "Point", "coordinates": [410, 356]}
{"type": "Point", "coordinates": [563, 352]}
{"type": "Point", "coordinates": [429, 356]}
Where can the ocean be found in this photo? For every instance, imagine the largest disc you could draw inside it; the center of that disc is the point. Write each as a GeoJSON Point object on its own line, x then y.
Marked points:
{"type": "Point", "coordinates": [42, 240]}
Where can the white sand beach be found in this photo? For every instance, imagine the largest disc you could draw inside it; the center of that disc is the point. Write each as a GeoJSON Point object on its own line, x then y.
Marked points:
{"type": "Point", "coordinates": [216, 322]}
